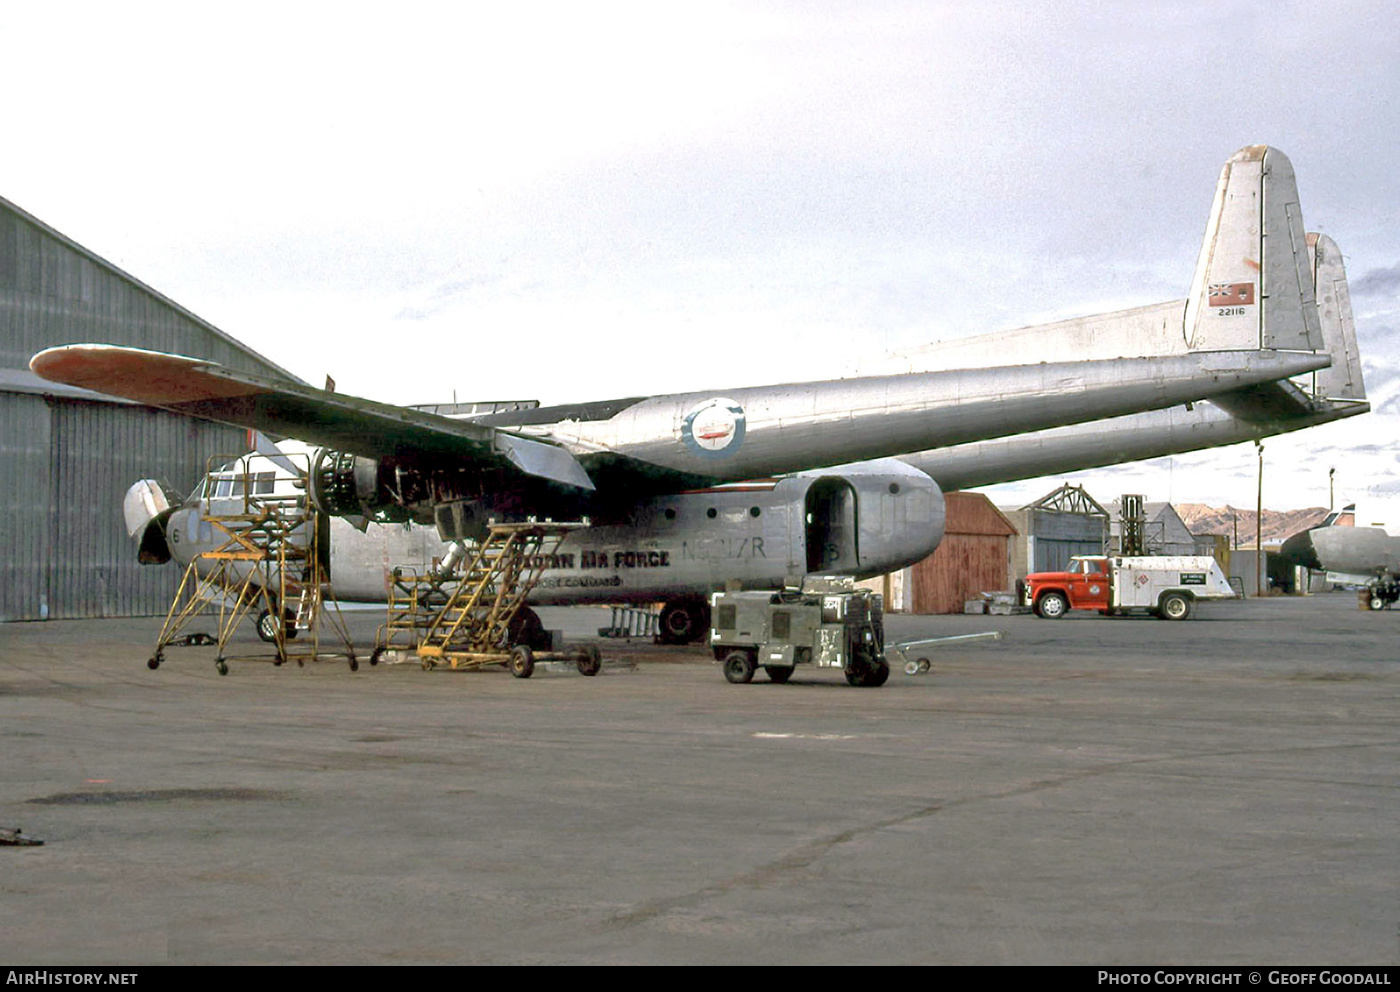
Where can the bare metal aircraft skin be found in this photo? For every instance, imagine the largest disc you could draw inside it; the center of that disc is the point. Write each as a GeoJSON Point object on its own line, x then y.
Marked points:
{"type": "Point", "coordinates": [669, 442]}
{"type": "Point", "coordinates": [1334, 393]}
{"type": "Point", "coordinates": [1250, 326]}
{"type": "Point", "coordinates": [1359, 554]}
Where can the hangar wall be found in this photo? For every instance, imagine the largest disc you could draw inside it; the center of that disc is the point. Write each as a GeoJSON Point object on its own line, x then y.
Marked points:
{"type": "Point", "coordinates": [68, 455]}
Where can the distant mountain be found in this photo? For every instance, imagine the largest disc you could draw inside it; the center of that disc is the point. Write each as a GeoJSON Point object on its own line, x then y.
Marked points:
{"type": "Point", "coordinates": [1278, 524]}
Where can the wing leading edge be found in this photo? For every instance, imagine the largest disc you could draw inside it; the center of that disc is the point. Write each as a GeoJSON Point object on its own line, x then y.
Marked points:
{"type": "Point", "coordinates": [346, 423]}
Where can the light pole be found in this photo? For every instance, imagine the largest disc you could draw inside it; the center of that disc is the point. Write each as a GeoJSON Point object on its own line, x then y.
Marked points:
{"type": "Point", "coordinates": [1259, 526]}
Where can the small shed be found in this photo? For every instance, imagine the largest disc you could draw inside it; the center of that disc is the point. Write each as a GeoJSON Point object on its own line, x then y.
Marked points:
{"type": "Point", "coordinates": [1059, 525]}
{"type": "Point", "coordinates": [974, 557]}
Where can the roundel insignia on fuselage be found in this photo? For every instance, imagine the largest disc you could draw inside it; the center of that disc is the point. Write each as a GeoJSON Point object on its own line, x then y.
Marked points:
{"type": "Point", "coordinates": [714, 428]}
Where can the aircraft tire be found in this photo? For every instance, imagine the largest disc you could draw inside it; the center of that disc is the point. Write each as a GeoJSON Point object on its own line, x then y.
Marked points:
{"type": "Point", "coordinates": [739, 666]}
{"type": "Point", "coordinates": [526, 628]}
{"type": "Point", "coordinates": [778, 673]}
{"type": "Point", "coordinates": [268, 632]}
{"type": "Point", "coordinates": [522, 662]}
{"type": "Point", "coordinates": [1051, 606]}
{"type": "Point", "coordinates": [684, 621]}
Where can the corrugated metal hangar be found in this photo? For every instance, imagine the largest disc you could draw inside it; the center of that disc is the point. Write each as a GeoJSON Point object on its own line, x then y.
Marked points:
{"type": "Point", "coordinates": [67, 455]}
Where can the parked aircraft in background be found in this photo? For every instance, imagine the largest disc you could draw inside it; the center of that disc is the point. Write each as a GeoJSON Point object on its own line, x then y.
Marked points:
{"type": "Point", "coordinates": [669, 481]}
{"type": "Point", "coordinates": [1363, 556]}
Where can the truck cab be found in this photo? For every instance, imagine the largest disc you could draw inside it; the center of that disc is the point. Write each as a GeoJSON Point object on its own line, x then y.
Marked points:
{"type": "Point", "coordinates": [1086, 585]}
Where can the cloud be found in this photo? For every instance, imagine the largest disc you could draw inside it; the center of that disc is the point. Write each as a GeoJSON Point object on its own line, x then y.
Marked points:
{"type": "Point", "coordinates": [1377, 282]}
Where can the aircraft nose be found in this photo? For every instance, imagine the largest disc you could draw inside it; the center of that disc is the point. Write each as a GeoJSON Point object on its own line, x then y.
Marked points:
{"type": "Point", "coordinates": [1299, 550]}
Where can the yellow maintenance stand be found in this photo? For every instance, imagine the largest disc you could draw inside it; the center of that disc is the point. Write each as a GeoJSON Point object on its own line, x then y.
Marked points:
{"type": "Point", "coordinates": [464, 614]}
{"type": "Point", "coordinates": [266, 549]}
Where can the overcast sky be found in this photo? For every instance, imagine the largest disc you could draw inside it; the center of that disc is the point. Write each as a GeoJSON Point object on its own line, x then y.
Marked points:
{"type": "Point", "coordinates": [575, 201]}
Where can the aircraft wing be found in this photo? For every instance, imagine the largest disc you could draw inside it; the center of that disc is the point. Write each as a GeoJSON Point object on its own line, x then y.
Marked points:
{"type": "Point", "coordinates": [346, 423]}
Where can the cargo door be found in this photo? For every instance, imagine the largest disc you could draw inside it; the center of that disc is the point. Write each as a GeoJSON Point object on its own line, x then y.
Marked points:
{"type": "Point", "coordinates": [831, 526]}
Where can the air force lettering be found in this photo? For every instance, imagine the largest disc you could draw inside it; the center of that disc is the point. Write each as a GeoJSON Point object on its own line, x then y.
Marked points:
{"type": "Point", "coordinates": [714, 428]}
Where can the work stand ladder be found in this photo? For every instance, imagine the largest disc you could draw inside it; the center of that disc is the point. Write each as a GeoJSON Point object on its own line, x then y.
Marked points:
{"type": "Point", "coordinates": [268, 553]}
{"type": "Point", "coordinates": [464, 614]}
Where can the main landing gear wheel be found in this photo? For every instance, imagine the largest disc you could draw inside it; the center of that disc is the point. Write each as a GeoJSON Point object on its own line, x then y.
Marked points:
{"type": "Point", "coordinates": [522, 662]}
{"type": "Point", "coordinates": [267, 626]}
{"type": "Point", "coordinates": [684, 620]}
{"type": "Point", "coordinates": [526, 628]}
{"type": "Point", "coordinates": [221, 666]}
{"type": "Point", "coordinates": [739, 667]}
{"type": "Point", "coordinates": [1052, 606]}
{"type": "Point", "coordinates": [153, 662]}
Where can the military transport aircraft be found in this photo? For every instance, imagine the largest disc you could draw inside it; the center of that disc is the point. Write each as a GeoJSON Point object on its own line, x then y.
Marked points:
{"type": "Point", "coordinates": [672, 484]}
{"type": "Point", "coordinates": [1364, 556]}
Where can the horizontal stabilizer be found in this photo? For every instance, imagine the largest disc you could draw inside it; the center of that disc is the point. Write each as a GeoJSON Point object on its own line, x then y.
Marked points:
{"type": "Point", "coordinates": [1269, 402]}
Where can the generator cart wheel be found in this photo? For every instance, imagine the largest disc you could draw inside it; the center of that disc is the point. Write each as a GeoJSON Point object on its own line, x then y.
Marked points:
{"type": "Point", "coordinates": [1052, 606]}
{"type": "Point", "coordinates": [778, 673]}
{"type": "Point", "coordinates": [1175, 606]}
{"type": "Point", "coordinates": [739, 667]}
{"type": "Point", "coordinates": [591, 662]}
{"type": "Point", "coordinates": [522, 662]}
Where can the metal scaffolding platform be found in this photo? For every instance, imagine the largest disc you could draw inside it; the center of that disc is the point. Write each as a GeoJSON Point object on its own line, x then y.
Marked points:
{"type": "Point", "coordinates": [268, 553]}
{"type": "Point", "coordinates": [471, 612]}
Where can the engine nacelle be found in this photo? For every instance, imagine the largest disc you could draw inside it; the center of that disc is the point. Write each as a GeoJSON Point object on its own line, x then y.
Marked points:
{"type": "Point", "coordinates": [347, 485]}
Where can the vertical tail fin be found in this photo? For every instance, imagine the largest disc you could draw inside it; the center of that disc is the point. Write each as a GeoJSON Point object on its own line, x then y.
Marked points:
{"type": "Point", "coordinates": [1253, 286]}
{"type": "Point", "coordinates": [1342, 380]}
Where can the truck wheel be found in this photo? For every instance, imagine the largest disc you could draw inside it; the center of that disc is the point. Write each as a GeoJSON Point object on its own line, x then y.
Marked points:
{"type": "Point", "coordinates": [1175, 606]}
{"type": "Point", "coordinates": [739, 667]}
{"type": "Point", "coordinates": [778, 673]}
{"type": "Point", "coordinates": [1052, 605]}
